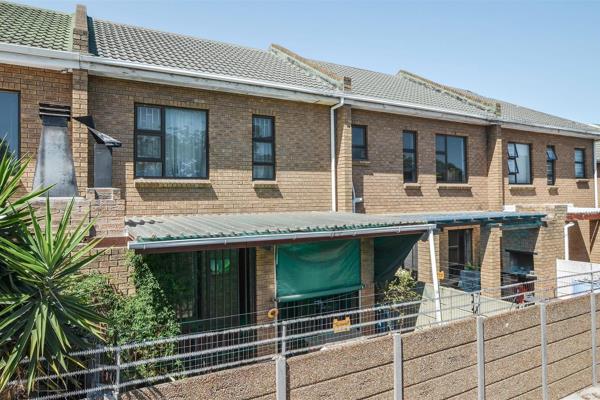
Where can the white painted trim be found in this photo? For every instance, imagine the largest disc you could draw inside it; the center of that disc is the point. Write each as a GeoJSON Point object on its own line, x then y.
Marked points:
{"type": "Point", "coordinates": [393, 107]}
{"type": "Point", "coordinates": [566, 238]}
{"type": "Point", "coordinates": [552, 130]}
{"type": "Point", "coordinates": [258, 239]}
{"type": "Point", "coordinates": [434, 277]}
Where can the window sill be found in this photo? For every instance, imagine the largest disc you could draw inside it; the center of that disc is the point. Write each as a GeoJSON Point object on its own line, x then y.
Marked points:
{"type": "Point", "coordinates": [171, 183]}
{"type": "Point", "coordinates": [412, 186]}
{"type": "Point", "coordinates": [264, 184]}
{"type": "Point", "coordinates": [521, 187]}
{"type": "Point", "coordinates": [361, 163]}
{"type": "Point", "coordinates": [454, 186]}
{"type": "Point", "coordinates": [582, 180]}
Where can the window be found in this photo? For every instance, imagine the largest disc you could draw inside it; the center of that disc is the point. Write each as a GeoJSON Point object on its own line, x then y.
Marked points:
{"type": "Point", "coordinates": [263, 148]}
{"type": "Point", "coordinates": [459, 251]}
{"type": "Point", "coordinates": [579, 163]}
{"type": "Point", "coordinates": [170, 142]}
{"type": "Point", "coordinates": [409, 142]}
{"type": "Point", "coordinates": [451, 160]}
{"type": "Point", "coordinates": [359, 142]}
{"type": "Point", "coordinates": [9, 122]}
{"type": "Point", "coordinates": [550, 165]}
{"type": "Point", "coordinates": [519, 164]}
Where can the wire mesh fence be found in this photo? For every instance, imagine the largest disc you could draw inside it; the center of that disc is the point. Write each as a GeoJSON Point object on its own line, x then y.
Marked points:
{"type": "Point", "coordinates": [110, 370]}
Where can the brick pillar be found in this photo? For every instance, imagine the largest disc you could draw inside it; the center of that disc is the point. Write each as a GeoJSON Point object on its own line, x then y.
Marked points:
{"type": "Point", "coordinates": [424, 260]}
{"type": "Point", "coordinates": [367, 276]}
{"type": "Point", "coordinates": [495, 178]}
{"type": "Point", "coordinates": [549, 246]}
{"type": "Point", "coordinates": [79, 132]}
{"type": "Point", "coordinates": [344, 158]}
{"type": "Point", "coordinates": [490, 255]}
{"type": "Point", "coordinates": [79, 99]}
{"type": "Point", "coordinates": [265, 294]}
{"type": "Point", "coordinates": [594, 229]}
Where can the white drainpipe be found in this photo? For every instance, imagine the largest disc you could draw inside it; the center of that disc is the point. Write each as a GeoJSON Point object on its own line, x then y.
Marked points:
{"type": "Point", "coordinates": [567, 226]}
{"type": "Point", "coordinates": [333, 172]}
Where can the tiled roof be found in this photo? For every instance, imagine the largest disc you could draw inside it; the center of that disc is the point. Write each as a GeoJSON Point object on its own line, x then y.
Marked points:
{"type": "Point", "coordinates": [410, 88]}
{"type": "Point", "coordinates": [399, 88]}
{"type": "Point", "coordinates": [523, 115]}
{"type": "Point", "coordinates": [36, 27]}
{"type": "Point", "coordinates": [140, 45]}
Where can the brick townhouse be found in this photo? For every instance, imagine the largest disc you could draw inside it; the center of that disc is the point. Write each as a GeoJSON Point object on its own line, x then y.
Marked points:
{"type": "Point", "coordinates": [276, 180]}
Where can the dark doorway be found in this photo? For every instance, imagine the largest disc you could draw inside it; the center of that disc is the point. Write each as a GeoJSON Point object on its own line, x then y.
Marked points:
{"type": "Point", "coordinates": [460, 251]}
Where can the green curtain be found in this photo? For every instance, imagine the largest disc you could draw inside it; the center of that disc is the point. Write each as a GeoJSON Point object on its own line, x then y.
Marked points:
{"type": "Point", "coordinates": [390, 252]}
{"type": "Point", "coordinates": [317, 269]}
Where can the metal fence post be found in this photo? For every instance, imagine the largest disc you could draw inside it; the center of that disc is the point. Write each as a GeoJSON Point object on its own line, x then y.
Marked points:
{"type": "Point", "coordinates": [281, 377]}
{"type": "Point", "coordinates": [544, 350]}
{"type": "Point", "coordinates": [283, 335]}
{"type": "Point", "coordinates": [117, 373]}
{"type": "Point", "coordinates": [594, 331]}
{"type": "Point", "coordinates": [480, 358]}
{"type": "Point", "coordinates": [398, 382]}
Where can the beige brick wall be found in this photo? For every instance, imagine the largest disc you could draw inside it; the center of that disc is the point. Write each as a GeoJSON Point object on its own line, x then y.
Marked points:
{"type": "Point", "coordinates": [566, 190]}
{"type": "Point", "coordinates": [437, 363]}
{"type": "Point", "coordinates": [113, 263]}
{"type": "Point", "coordinates": [379, 180]}
{"type": "Point", "coordinates": [35, 86]}
{"type": "Point", "coordinates": [490, 250]}
{"type": "Point", "coordinates": [302, 150]}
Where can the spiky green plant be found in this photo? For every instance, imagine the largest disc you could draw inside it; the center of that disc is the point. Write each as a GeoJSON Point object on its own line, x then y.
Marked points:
{"type": "Point", "coordinates": [39, 319]}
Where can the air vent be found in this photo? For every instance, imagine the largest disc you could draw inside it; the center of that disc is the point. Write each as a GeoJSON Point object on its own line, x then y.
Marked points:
{"type": "Point", "coordinates": [54, 110]}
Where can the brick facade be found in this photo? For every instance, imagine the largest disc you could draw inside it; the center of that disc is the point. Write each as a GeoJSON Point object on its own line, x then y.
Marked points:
{"type": "Point", "coordinates": [303, 168]}
{"type": "Point", "coordinates": [567, 189]}
{"type": "Point", "coordinates": [379, 180]}
{"type": "Point", "coordinates": [303, 180]}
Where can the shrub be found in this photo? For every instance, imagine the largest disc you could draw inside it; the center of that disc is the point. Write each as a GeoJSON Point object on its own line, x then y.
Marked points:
{"type": "Point", "coordinates": [402, 288]}
{"type": "Point", "coordinates": [143, 316]}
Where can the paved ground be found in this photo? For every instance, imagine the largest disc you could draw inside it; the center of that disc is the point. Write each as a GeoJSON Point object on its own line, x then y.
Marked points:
{"type": "Point", "coordinates": [586, 394]}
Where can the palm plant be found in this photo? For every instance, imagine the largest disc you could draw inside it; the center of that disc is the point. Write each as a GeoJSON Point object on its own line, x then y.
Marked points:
{"type": "Point", "coordinates": [40, 321]}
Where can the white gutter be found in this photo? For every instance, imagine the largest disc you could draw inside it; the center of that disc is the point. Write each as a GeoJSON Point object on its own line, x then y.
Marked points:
{"type": "Point", "coordinates": [65, 60]}
{"type": "Point", "coordinates": [552, 130]}
{"type": "Point", "coordinates": [332, 144]}
{"type": "Point", "coordinates": [566, 234]}
{"type": "Point", "coordinates": [225, 241]}
{"type": "Point", "coordinates": [404, 108]}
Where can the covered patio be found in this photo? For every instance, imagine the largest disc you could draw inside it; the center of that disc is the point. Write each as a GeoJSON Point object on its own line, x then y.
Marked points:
{"type": "Point", "coordinates": [302, 257]}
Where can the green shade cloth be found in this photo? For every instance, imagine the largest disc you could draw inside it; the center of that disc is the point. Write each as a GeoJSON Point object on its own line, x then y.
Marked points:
{"type": "Point", "coordinates": [390, 252]}
{"type": "Point", "coordinates": [318, 269]}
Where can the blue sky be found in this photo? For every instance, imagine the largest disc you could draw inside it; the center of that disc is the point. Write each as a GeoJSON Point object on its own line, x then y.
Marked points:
{"type": "Point", "coordinates": [540, 54]}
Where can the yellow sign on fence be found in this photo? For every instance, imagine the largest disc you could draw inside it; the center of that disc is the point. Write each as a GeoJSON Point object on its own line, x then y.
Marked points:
{"type": "Point", "coordinates": [441, 275]}
{"type": "Point", "coordinates": [341, 325]}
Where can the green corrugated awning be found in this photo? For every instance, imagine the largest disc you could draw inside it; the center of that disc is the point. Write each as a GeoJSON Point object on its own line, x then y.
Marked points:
{"type": "Point", "coordinates": [317, 269]}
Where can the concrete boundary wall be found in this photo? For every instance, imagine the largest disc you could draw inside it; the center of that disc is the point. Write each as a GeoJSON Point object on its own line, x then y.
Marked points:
{"type": "Point", "coordinates": [437, 363]}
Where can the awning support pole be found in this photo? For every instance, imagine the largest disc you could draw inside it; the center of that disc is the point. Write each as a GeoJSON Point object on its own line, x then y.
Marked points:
{"type": "Point", "coordinates": [434, 276]}
{"type": "Point", "coordinates": [566, 238]}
